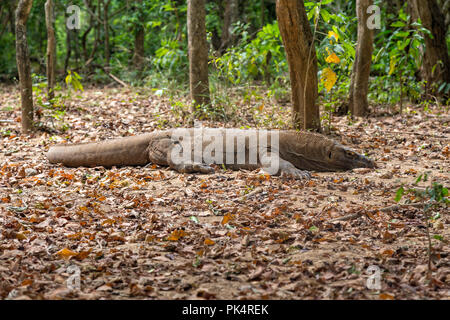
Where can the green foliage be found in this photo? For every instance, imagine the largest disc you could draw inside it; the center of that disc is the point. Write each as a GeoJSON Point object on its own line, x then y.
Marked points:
{"type": "Point", "coordinates": [334, 32]}
{"type": "Point", "coordinates": [431, 197]}
{"type": "Point", "coordinates": [7, 56]}
{"type": "Point", "coordinates": [397, 60]}
{"type": "Point", "coordinates": [434, 194]}
{"type": "Point", "coordinates": [170, 59]}
{"type": "Point", "coordinates": [73, 81]}
{"type": "Point", "coordinates": [257, 57]}
{"type": "Point", "coordinates": [253, 59]}
{"type": "Point", "coordinates": [53, 110]}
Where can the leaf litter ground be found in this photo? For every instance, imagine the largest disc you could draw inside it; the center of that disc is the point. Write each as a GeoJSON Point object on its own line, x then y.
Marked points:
{"type": "Point", "coordinates": [152, 233]}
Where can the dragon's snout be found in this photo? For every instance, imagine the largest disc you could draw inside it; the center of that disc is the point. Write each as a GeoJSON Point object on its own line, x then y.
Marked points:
{"type": "Point", "coordinates": [350, 159]}
{"type": "Point", "coordinates": [364, 162]}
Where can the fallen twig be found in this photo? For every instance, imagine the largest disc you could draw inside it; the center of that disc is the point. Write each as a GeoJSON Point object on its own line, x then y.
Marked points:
{"type": "Point", "coordinates": [420, 134]}
{"type": "Point", "coordinates": [111, 75]}
{"type": "Point", "coordinates": [386, 209]}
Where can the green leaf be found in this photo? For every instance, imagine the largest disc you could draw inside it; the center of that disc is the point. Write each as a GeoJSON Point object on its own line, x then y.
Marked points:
{"type": "Point", "coordinates": [193, 218]}
{"type": "Point", "coordinates": [399, 194]}
{"type": "Point", "coordinates": [325, 15]}
{"type": "Point", "coordinates": [438, 237]}
{"type": "Point", "coordinates": [403, 15]}
{"type": "Point", "coordinates": [445, 192]}
{"type": "Point", "coordinates": [436, 216]}
{"type": "Point", "coordinates": [419, 179]}
{"type": "Point", "coordinates": [398, 24]}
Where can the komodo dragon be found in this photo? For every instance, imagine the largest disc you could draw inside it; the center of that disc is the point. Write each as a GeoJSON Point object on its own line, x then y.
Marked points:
{"type": "Point", "coordinates": [294, 152]}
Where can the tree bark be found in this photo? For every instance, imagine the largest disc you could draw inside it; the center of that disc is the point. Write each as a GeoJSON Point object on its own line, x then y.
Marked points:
{"type": "Point", "coordinates": [445, 6]}
{"type": "Point", "coordinates": [51, 49]}
{"type": "Point", "coordinates": [139, 38]}
{"type": "Point", "coordinates": [68, 48]}
{"type": "Point", "coordinates": [84, 38]}
{"type": "Point", "coordinates": [359, 86]}
{"type": "Point", "coordinates": [262, 17]}
{"type": "Point", "coordinates": [230, 17]}
{"type": "Point", "coordinates": [106, 31]}
{"type": "Point", "coordinates": [23, 64]}
{"type": "Point", "coordinates": [301, 55]}
{"type": "Point", "coordinates": [436, 60]}
{"type": "Point", "coordinates": [198, 53]}
{"type": "Point", "coordinates": [12, 6]}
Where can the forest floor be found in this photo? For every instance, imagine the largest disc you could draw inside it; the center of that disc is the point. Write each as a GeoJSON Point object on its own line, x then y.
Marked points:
{"type": "Point", "coordinates": [150, 232]}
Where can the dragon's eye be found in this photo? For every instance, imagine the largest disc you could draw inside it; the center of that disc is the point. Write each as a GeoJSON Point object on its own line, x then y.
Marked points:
{"type": "Point", "coordinates": [351, 154]}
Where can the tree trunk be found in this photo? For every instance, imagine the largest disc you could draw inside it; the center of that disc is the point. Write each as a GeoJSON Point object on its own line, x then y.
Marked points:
{"type": "Point", "coordinates": [262, 17]}
{"type": "Point", "coordinates": [51, 49]}
{"type": "Point", "coordinates": [445, 5]}
{"type": "Point", "coordinates": [436, 61]}
{"type": "Point", "coordinates": [139, 53]}
{"type": "Point", "coordinates": [139, 38]}
{"type": "Point", "coordinates": [198, 53]}
{"type": "Point", "coordinates": [359, 86]}
{"type": "Point", "coordinates": [94, 24]}
{"type": "Point", "coordinates": [106, 31]}
{"type": "Point", "coordinates": [5, 22]}
{"type": "Point", "coordinates": [230, 17]}
{"type": "Point", "coordinates": [84, 38]}
{"type": "Point", "coordinates": [301, 55]}
{"type": "Point", "coordinates": [12, 5]}
{"type": "Point", "coordinates": [23, 64]}
{"type": "Point", "coordinates": [69, 49]}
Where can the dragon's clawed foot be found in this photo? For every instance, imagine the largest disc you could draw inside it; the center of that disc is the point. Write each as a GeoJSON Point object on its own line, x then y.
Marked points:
{"type": "Point", "coordinates": [195, 167]}
{"type": "Point", "coordinates": [294, 173]}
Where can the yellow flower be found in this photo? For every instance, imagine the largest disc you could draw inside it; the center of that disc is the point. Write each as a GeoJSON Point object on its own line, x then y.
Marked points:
{"type": "Point", "coordinates": [333, 34]}
{"type": "Point", "coordinates": [333, 58]}
{"type": "Point", "coordinates": [329, 78]}
{"type": "Point", "coordinates": [392, 65]}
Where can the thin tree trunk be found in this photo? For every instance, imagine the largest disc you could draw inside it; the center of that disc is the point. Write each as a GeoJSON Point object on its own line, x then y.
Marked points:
{"type": "Point", "coordinates": [139, 38]}
{"type": "Point", "coordinates": [77, 48]}
{"type": "Point", "coordinates": [139, 53]}
{"type": "Point", "coordinates": [94, 24]}
{"type": "Point", "coordinates": [69, 49]}
{"type": "Point", "coordinates": [198, 53]}
{"type": "Point", "coordinates": [445, 5]}
{"type": "Point", "coordinates": [4, 24]}
{"type": "Point", "coordinates": [436, 60]}
{"type": "Point", "coordinates": [301, 55]}
{"type": "Point", "coordinates": [178, 29]}
{"type": "Point", "coordinates": [230, 17]}
{"type": "Point", "coordinates": [12, 17]}
{"type": "Point", "coordinates": [263, 14]}
{"type": "Point", "coordinates": [97, 33]}
{"type": "Point", "coordinates": [359, 86]}
{"type": "Point", "coordinates": [84, 38]}
{"type": "Point", "coordinates": [106, 31]}
{"type": "Point", "coordinates": [23, 64]}
{"type": "Point", "coordinates": [51, 49]}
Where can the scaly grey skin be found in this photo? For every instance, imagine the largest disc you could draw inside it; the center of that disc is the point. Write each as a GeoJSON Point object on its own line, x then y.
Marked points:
{"type": "Point", "coordinates": [297, 153]}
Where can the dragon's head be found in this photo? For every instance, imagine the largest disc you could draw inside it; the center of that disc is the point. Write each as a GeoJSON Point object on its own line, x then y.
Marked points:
{"type": "Point", "coordinates": [311, 151]}
{"type": "Point", "coordinates": [339, 157]}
